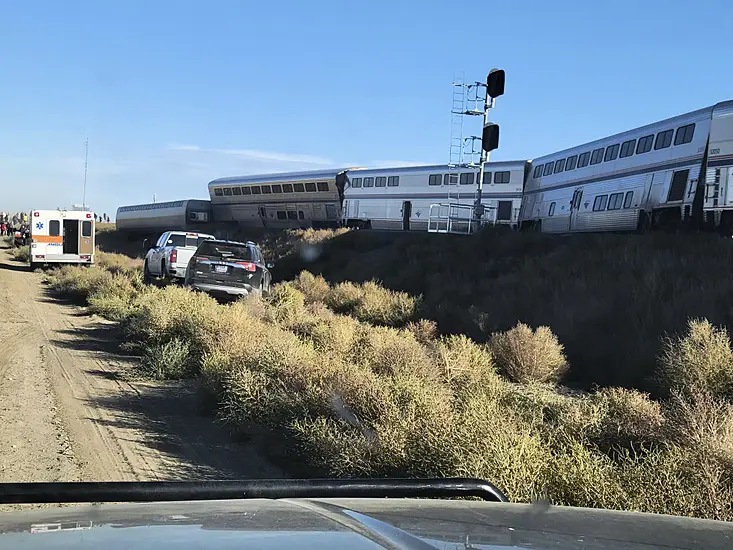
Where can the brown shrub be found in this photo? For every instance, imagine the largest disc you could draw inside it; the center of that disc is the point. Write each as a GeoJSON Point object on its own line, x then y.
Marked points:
{"type": "Point", "coordinates": [523, 355]}
{"type": "Point", "coordinates": [701, 361]}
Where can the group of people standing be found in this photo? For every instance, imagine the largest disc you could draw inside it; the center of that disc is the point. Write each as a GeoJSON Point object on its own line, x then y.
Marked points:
{"type": "Point", "coordinates": [9, 222]}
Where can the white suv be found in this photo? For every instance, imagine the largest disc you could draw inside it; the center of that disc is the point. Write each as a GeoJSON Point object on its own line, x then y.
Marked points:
{"type": "Point", "coordinates": [170, 256]}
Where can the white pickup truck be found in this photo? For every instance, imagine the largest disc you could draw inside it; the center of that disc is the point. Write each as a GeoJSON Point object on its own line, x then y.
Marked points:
{"type": "Point", "coordinates": [170, 256]}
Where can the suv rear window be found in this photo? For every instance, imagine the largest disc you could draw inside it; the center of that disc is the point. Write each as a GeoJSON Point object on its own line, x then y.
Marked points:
{"type": "Point", "coordinates": [227, 251]}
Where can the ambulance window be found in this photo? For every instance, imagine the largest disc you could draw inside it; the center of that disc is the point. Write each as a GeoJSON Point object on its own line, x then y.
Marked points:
{"type": "Point", "coordinates": [86, 229]}
{"type": "Point", "coordinates": [54, 228]}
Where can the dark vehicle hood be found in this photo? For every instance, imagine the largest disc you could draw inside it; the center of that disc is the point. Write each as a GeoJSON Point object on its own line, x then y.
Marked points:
{"type": "Point", "coordinates": [352, 524]}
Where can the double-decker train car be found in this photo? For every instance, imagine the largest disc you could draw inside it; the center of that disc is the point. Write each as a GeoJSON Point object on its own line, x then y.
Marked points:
{"type": "Point", "coordinates": [162, 216]}
{"type": "Point", "coordinates": [400, 198]}
{"type": "Point", "coordinates": [292, 199]}
{"type": "Point", "coordinates": [656, 175]}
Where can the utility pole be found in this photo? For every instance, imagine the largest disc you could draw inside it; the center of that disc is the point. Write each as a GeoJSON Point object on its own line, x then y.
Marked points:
{"type": "Point", "coordinates": [86, 158]}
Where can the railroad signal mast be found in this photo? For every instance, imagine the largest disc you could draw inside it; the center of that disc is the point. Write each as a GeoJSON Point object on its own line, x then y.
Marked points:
{"type": "Point", "coordinates": [463, 151]}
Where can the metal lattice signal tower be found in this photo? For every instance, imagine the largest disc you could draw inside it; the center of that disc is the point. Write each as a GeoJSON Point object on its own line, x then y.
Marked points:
{"type": "Point", "coordinates": [469, 99]}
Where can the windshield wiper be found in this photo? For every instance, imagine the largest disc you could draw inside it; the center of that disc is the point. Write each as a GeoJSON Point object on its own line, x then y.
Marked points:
{"type": "Point", "coordinates": [149, 491]}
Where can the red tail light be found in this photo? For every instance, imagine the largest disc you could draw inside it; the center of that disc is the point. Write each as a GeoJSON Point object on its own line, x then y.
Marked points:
{"type": "Point", "coordinates": [174, 256]}
{"type": "Point", "coordinates": [249, 266]}
{"type": "Point", "coordinates": [202, 259]}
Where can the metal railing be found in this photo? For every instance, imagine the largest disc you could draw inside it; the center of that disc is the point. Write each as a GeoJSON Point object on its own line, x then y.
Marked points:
{"type": "Point", "coordinates": [451, 218]}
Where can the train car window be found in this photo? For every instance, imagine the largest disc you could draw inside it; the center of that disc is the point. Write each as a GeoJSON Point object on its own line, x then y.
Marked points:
{"type": "Point", "coordinates": [266, 190]}
{"type": "Point", "coordinates": [256, 190]}
{"type": "Point", "coordinates": [282, 215]}
{"type": "Point", "coordinates": [502, 177]}
{"type": "Point", "coordinates": [571, 163]}
{"type": "Point", "coordinates": [467, 178]}
{"type": "Point", "coordinates": [287, 187]}
{"type": "Point", "coordinates": [368, 182]}
{"type": "Point", "coordinates": [611, 153]}
{"type": "Point", "coordinates": [393, 181]}
{"type": "Point", "coordinates": [277, 188]}
{"type": "Point", "coordinates": [299, 188]}
{"type": "Point", "coordinates": [435, 179]}
{"type": "Point", "coordinates": [627, 148]}
{"type": "Point", "coordinates": [322, 185]}
{"type": "Point", "coordinates": [552, 209]}
{"type": "Point", "coordinates": [615, 201]}
{"type": "Point", "coordinates": [292, 215]}
{"type": "Point", "coordinates": [487, 178]}
{"type": "Point", "coordinates": [504, 210]}
{"type": "Point", "coordinates": [645, 144]}
{"type": "Point", "coordinates": [246, 191]}
{"type": "Point", "coordinates": [583, 159]}
{"type": "Point", "coordinates": [628, 198]}
{"type": "Point", "coordinates": [537, 171]}
{"type": "Point", "coordinates": [310, 187]}
{"type": "Point", "coordinates": [597, 156]}
{"type": "Point", "coordinates": [236, 190]}
{"type": "Point", "coordinates": [380, 181]}
{"type": "Point", "coordinates": [684, 134]}
{"type": "Point", "coordinates": [227, 191]}
{"type": "Point", "coordinates": [664, 140]}
{"type": "Point", "coordinates": [600, 203]}
{"type": "Point", "coordinates": [356, 182]}
{"type": "Point", "coordinates": [449, 179]}
{"type": "Point", "coordinates": [218, 192]}
{"type": "Point", "coordinates": [301, 215]}
{"type": "Point", "coordinates": [548, 169]}
{"type": "Point", "coordinates": [559, 166]}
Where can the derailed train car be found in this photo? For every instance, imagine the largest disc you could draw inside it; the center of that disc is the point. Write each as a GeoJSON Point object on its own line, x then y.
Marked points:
{"type": "Point", "coordinates": [675, 172]}
{"type": "Point", "coordinates": [163, 216]}
{"type": "Point", "coordinates": [289, 199]}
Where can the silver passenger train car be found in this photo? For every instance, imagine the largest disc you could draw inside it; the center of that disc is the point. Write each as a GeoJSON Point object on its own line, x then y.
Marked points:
{"type": "Point", "coordinates": [665, 173]}
{"type": "Point", "coordinates": [400, 198]}
{"type": "Point", "coordinates": [162, 216]}
{"type": "Point", "coordinates": [291, 199]}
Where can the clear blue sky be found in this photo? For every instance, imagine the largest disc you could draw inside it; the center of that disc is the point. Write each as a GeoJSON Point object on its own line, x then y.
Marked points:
{"type": "Point", "coordinates": [175, 93]}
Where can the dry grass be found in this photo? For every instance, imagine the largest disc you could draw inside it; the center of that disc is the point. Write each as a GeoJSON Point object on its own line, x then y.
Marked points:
{"type": "Point", "coordinates": [366, 388]}
{"type": "Point", "coordinates": [22, 253]}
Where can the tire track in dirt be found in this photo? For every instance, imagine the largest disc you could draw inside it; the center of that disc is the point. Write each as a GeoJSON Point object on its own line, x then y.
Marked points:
{"type": "Point", "coordinates": [61, 382]}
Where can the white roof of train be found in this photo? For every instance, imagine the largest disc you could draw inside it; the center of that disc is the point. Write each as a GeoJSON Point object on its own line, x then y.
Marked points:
{"type": "Point", "coordinates": [506, 164]}
{"type": "Point", "coordinates": [628, 134]}
{"type": "Point", "coordinates": [282, 176]}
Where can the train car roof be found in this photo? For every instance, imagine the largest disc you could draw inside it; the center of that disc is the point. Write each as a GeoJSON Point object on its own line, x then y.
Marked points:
{"type": "Point", "coordinates": [281, 176]}
{"type": "Point", "coordinates": [627, 134]}
{"type": "Point", "coordinates": [440, 168]}
{"type": "Point", "coordinates": [159, 205]}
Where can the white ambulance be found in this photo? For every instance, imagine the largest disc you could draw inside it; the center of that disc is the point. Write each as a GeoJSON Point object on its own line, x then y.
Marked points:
{"type": "Point", "coordinates": [61, 236]}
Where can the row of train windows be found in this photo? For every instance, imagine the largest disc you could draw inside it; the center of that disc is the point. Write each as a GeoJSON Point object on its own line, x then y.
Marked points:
{"type": "Point", "coordinates": [612, 152]}
{"type": "Point", "coordinates": [290, 215]}
{"type": "Point", "coordinates": [614, 201]}
{"type": "Point", "coordinates": [379, 181]}
{"type": "Point", "coordinates": [154, 206]}
{"type": "Point", "coordinates": [274, 188]}
{"type": "Point", "coordinates": [467, 178]}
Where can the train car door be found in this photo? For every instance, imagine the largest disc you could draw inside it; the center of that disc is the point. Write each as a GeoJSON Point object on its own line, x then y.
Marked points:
{"type": "Point", "coordinates": [406, 215]}
{"type": "Point", "coordinates": [262, 211]}
{"type": "Point", "coordinates": [574, 208]}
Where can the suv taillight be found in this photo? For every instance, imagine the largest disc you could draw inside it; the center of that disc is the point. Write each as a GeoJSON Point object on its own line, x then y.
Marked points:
{"type": "Point", "coordinates": [174, 256]}
{"type": "Point", "coordinates": [249, 266]}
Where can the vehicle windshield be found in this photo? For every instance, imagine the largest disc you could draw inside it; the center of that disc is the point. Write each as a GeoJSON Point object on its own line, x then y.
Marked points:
{"type": "Point", "coordinates": [224, 251]}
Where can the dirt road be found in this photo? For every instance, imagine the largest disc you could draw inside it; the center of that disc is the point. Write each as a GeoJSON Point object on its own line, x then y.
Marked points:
{"type": "Point", "coordinates": [67, 414]}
